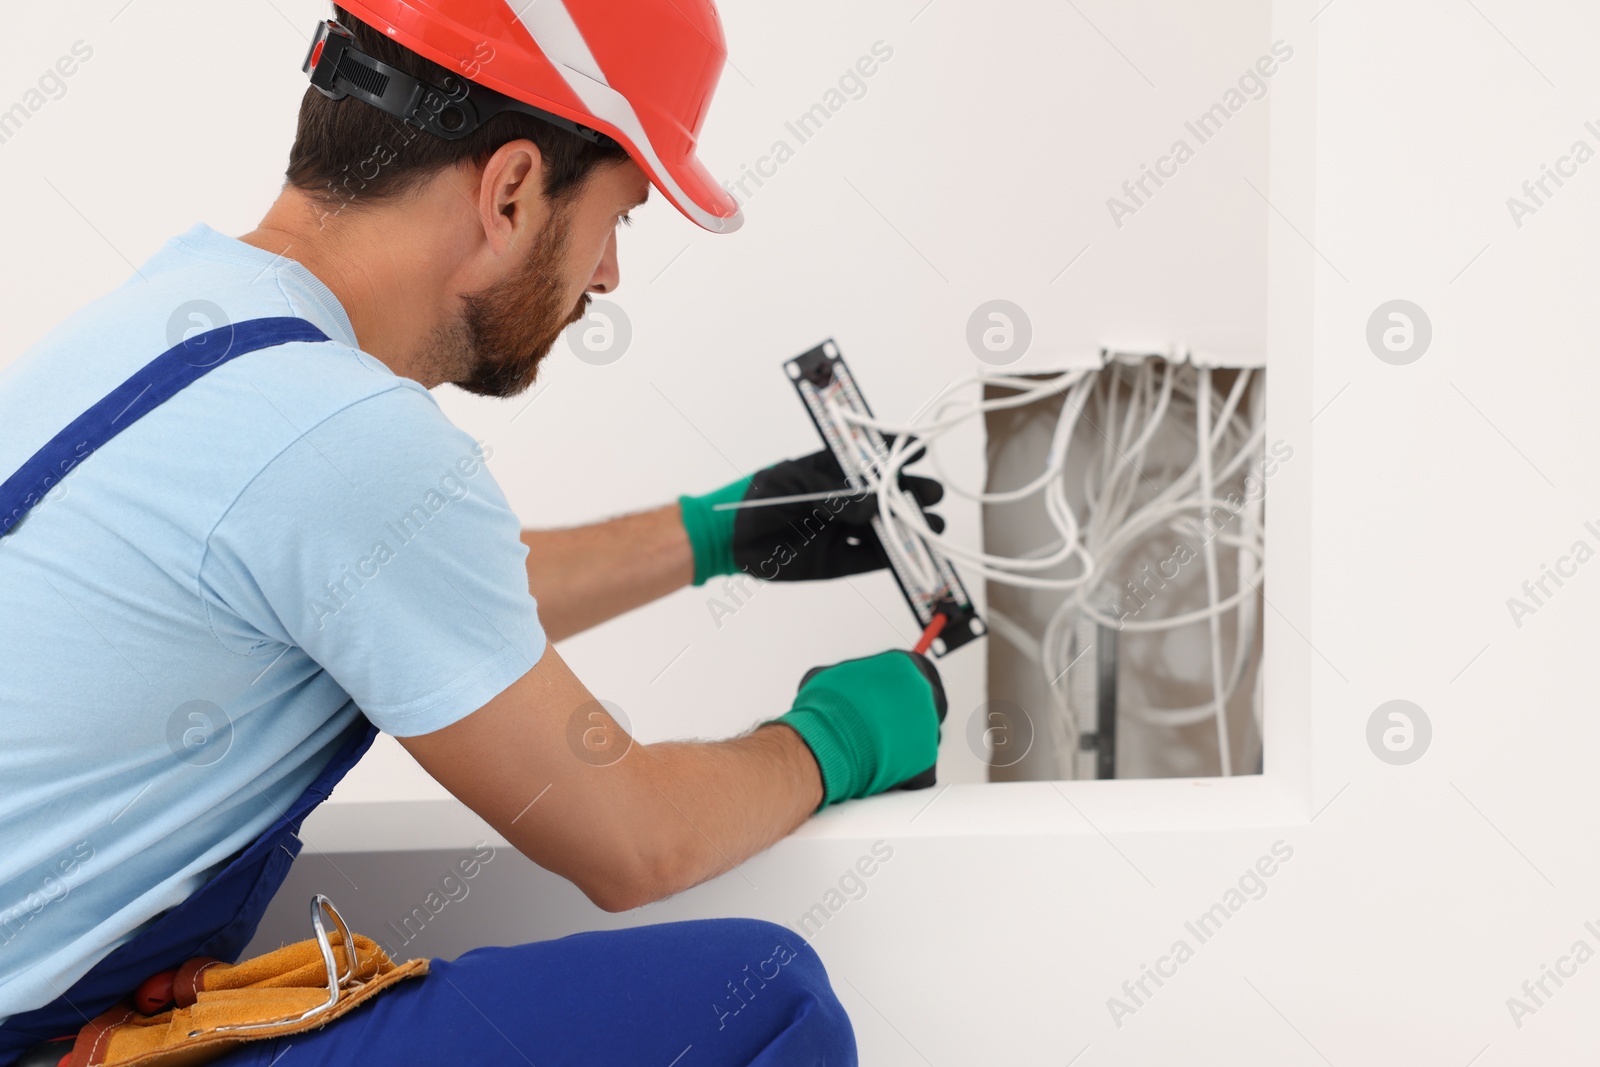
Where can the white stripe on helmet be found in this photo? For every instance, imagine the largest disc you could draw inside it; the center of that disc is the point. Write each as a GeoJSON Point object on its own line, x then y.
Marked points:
{"type": "Point", "coordinates": [557, 35]}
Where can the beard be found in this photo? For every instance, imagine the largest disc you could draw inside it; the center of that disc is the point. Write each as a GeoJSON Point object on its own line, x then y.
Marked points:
{"type": "Point", "coordinates": [507, 329]}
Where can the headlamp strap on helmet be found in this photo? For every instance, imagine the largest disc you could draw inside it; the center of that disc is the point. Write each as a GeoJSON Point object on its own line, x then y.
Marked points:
{"type": "Point", "coordinates": [338, 69]}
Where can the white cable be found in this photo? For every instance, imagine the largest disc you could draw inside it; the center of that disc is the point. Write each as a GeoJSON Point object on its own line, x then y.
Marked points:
{"type": "Point", "coordinates": [1131, 496]}
{"type": "Point", "coordinates": [1214, 623]}
{"type": "Point", "coordinates": [1014, 633]}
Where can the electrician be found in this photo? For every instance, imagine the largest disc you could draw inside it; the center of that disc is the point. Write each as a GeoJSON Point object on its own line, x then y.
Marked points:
{"type": "Point", "coordinates": [230, 556]}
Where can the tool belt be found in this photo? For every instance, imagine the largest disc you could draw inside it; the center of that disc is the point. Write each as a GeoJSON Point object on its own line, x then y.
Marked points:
{"type": "Point", "coordinates": [207, 1007]}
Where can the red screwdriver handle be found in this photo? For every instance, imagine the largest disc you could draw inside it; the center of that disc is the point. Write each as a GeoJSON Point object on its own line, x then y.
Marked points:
{"type": "Point", "coordinates": [155, 993]}
{"type": "Point", "coordinates": [925, 642]}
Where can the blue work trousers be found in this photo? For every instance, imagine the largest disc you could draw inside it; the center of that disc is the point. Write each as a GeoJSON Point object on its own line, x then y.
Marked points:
{"type": "Point", "coordinates": [683, 994]}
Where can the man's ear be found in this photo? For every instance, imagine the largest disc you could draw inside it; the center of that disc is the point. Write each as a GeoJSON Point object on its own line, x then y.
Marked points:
{"type": "Point", "coordinates": [511, 204]}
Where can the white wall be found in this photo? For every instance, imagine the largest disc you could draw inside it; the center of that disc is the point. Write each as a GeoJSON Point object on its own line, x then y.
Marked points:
{"type": "Point", "coordinates": [1418, 897]}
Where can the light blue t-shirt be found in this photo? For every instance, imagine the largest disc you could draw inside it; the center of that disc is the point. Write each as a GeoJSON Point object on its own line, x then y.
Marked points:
{"type": "Point", "coordinates": [191, 620]}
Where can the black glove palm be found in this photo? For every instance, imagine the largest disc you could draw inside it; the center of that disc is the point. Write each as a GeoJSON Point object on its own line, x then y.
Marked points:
{"type": "Point", "coordinates": [809, 540]}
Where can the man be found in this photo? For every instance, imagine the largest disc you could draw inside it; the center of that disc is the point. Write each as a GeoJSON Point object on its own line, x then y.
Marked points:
{"type": "Point", "coordinates": [202, 608]}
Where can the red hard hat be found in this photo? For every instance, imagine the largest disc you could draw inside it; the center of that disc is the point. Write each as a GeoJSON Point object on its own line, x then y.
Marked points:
{"type": "Point", "coordinates": [640, 71]}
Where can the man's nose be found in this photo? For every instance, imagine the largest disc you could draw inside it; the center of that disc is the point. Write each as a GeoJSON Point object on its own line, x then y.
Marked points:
{"type": "Point", "coordinates": [607, 275]}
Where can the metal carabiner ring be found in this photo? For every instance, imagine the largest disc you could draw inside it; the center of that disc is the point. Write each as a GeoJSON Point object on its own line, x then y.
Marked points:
{"type": "Point", "coordinates": [336, 980]}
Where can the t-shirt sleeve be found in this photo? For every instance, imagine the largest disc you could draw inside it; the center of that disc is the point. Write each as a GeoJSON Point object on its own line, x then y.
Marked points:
{"type": "Point", "coordinates": [380, 543]}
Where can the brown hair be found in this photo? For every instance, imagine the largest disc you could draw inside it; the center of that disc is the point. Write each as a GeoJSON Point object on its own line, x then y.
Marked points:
{"type": "Point", "coordinates": [347, 152]}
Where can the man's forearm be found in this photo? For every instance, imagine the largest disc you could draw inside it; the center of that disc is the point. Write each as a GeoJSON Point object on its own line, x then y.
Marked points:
{"type": "Point", "coordinates": [719, 804]}
{"type": "Point", "coordinates": [584, 575]}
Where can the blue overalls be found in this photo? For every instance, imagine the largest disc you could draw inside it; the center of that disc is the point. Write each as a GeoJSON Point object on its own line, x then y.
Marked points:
{"type": "Point", "coordinates": [723, 991]}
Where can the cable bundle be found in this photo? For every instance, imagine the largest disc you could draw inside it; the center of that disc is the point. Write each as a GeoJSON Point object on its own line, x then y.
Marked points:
{"type": "Point", "coordinates": [1127, 501]}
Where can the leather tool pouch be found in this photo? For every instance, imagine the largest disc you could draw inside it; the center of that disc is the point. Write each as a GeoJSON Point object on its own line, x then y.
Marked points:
{"type": "Point", "coordinates": [207, 1007]}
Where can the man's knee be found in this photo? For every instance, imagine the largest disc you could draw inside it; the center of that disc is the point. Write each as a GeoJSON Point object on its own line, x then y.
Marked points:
{"type": "Point", "coordinates": [775, 974]}
{"type": "Point", "coordinates": [764, 959]}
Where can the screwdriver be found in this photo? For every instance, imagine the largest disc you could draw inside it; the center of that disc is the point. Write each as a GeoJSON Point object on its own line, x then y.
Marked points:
{"type": "Point", "coordinates": [925, 642]}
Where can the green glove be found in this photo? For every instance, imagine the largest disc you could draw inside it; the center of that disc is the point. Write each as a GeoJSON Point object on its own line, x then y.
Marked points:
{"type": "Point", "coordinates": [873, 724]}
{"type": "Point", "coordinates": [711, 531]}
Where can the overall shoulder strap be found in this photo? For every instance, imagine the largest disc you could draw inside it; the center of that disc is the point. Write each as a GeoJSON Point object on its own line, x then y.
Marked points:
{"type": "Point", "coordinates": [221, 916]}
{"type": "Point", "coordinates": [143, 391]}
